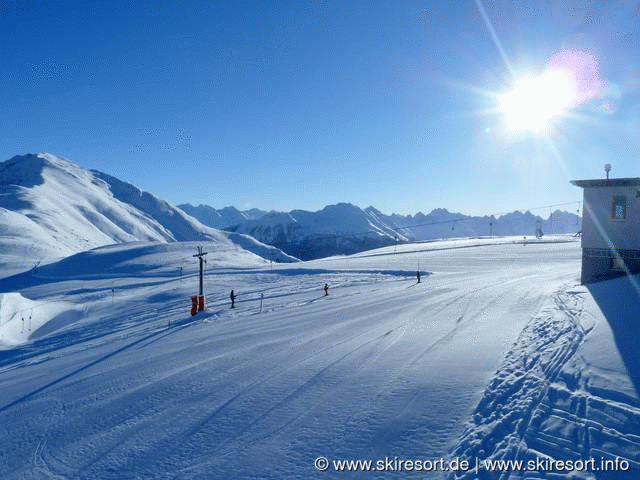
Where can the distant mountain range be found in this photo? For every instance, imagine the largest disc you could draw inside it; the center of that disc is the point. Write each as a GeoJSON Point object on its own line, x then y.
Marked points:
{"type": "Point", "coordinates": [221, 218]}
{"type": "Point", "coordinates": [51, 208]}
{"type": "Point", "coordinates": [345, 228]}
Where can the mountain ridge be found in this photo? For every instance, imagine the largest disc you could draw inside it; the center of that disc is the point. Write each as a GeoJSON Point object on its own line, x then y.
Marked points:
{"type": "Point", "coordinates": [51, 208]}
{"type": "Point", "coordinates": [344, 228]}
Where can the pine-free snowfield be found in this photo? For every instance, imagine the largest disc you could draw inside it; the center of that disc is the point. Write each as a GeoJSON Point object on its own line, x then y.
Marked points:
{"type": "Point", "coordinates": [381, 367]}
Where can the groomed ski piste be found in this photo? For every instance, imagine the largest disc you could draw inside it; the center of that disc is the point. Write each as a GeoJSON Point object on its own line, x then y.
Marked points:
{"type": "Point", "coordinates": [497, 354]}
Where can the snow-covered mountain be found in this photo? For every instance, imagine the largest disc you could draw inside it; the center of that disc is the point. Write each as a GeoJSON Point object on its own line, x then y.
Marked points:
{"type": "Point", "coordinates": [346, 228]}
{"type": "Point", "coordinates": [221, 218]}
{"type": "Point", "coordinates": [336, 229]}
{"type": "Point", "coordinates": [51, 207]}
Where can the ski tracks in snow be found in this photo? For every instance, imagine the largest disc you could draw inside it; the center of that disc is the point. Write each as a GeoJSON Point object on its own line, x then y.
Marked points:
{"type": "Point", "coordinates": [44, 465]}
{"type": "Point", "coordinates": [510, 407]}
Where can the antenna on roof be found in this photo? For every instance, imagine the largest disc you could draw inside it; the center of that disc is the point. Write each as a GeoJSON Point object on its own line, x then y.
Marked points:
{"type": "Point", "coordinates": [607, 169]}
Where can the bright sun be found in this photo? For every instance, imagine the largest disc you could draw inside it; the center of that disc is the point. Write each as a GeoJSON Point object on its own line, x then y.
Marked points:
{"type": "Point", "coordinates": [533, 103]}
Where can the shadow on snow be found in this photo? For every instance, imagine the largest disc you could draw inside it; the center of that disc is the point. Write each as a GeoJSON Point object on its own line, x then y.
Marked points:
{"type": "Point", "coordinates": [619, 302]}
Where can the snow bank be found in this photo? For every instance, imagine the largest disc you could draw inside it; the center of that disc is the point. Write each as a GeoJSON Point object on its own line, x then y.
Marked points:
{"type": "Point", "coordinates": [22, 319]}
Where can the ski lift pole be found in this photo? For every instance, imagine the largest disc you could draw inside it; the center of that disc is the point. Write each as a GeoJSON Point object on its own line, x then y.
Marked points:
{"type": "Point", "coordinates": [201, 256]}
{"type": "Point", "coordinates": [199, 303]}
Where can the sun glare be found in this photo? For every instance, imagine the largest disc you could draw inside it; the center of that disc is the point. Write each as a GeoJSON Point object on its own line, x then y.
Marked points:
{"type": "Point", "coordinates": [534, 103]}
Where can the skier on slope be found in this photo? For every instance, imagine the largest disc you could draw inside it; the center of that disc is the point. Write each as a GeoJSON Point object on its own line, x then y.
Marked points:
{"type": "Point", "coordinates": [326, 289]}
{"type": "Point", "coordinates": [232, 296]}
{"type": "Point", "coordinates": [418, 275]}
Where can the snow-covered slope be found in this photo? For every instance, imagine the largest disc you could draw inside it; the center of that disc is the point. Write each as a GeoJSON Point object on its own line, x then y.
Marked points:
{"type": "Point", "coordinates": [65, 208]}
{"type": "Point", "coordinates": [345, 228]}
{"type": "Point", "coordinates": [497, 354]}
{"type": "Point", "coordinates": [497, 337]}
{"type": "Point", "coordinates": [565, 401]}
{"type": "Point", "coordinates": [51, 207]}
{"type": "Point", "coordinates": [22, 319]}
{"type": "Point", "coordinates": [19, 324]}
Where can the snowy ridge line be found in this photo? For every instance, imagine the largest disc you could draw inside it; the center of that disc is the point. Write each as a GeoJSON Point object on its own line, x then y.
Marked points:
{"type": "Point", "coordinates": [494, 217]}
{"type": "Point", "coordinates": [385, 228]}
{"type": "Point", "coordinates": [503, 415]}
{"type": "Point", "coordinates": [52, 208]}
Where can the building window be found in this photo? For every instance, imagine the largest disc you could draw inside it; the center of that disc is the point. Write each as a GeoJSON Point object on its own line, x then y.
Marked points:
{"type": "Point", "coordinates": [619, 209]}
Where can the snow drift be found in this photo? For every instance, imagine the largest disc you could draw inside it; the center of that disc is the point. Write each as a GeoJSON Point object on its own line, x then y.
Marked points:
{"type": "Point", "coordinates": [22, 319]}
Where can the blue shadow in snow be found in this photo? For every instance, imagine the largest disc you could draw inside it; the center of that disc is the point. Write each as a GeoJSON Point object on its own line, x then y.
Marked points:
{"type": "Point", "coordinates": [619, 302]}
{"type": "Point", "coordinates": [85, 367]}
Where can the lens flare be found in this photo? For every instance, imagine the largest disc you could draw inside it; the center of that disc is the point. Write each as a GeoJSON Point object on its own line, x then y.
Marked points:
{"type": "Point", "coordinates": [533, 103]}
{"type": "Point", "coordinates": [569, 79]}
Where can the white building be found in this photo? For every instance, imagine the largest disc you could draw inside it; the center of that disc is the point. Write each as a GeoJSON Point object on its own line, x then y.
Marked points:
{"type": "Point", "coordinates": [610, 227]}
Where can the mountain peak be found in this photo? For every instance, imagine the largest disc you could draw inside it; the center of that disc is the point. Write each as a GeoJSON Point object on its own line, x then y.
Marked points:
{"type": "Point", "coordinates": [439, 211]}
{"type": "Point", "coordinates": [372, 209]}
{"type": "Point", "coordinates": [38, 160]}
{"type": "Point", "coordinates": [30, 169]}
{"type": "Point", "coordinates": [340, 206]}
{"type": "Point", "coordinates": [52, 207]}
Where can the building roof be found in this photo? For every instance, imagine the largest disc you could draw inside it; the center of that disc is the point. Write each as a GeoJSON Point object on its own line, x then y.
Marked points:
{"type": "Point", "coordinates": [612, 182]}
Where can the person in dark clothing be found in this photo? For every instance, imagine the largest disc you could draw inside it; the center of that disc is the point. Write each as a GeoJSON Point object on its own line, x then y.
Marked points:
{"type": "Point", "coordinates": [326, 289]}
{"type": "Point", "coordinates": [418, 275]}
{"type": "Point", "coordinates": [233, 299]}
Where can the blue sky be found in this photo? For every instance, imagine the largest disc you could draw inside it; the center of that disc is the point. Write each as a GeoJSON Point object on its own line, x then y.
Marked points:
{"type": "Point", "coordinates": [283, 105]}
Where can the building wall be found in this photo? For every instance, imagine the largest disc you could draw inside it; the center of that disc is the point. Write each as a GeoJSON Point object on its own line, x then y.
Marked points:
{"type": "Point", "coordinates": [594, 268]}
{"type": "Point", "coordinates": [607, 241]}
{"type": "Point", "coordinates": [622, 234]}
